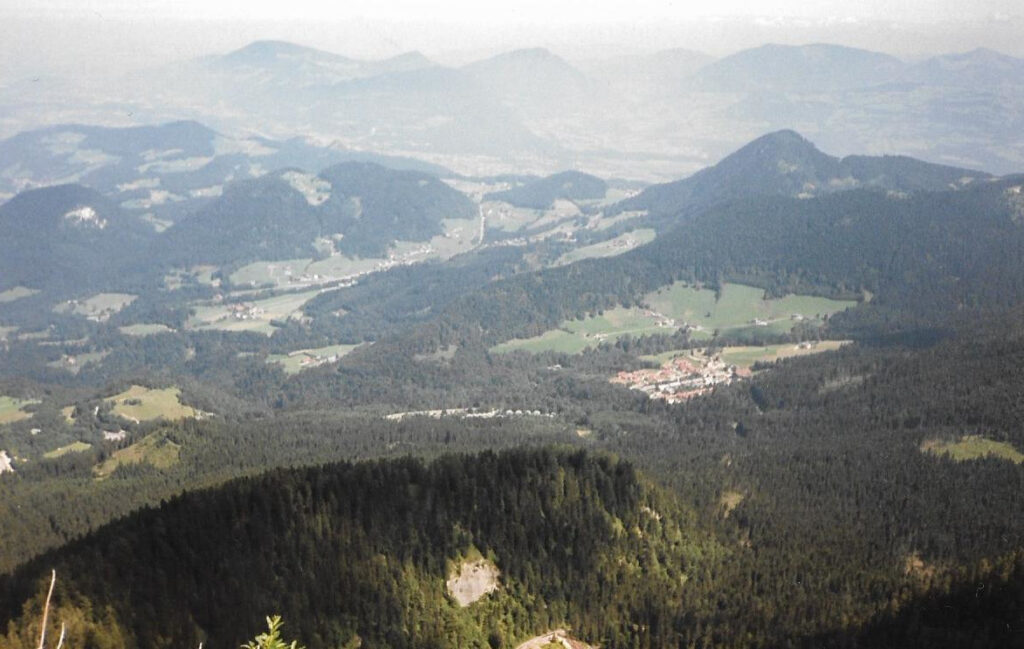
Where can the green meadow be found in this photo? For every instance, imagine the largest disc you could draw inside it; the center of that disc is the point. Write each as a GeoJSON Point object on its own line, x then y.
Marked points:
{"type": "Point", "coordinates": [737, 308]}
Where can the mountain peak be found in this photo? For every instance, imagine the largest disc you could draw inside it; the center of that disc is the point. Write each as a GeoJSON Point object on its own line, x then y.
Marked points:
{"type": "Point", "coordinates": [777, 145]}
{"type": "Point", "coordinates": [268, 48]}
{"type": "Point", "coordinates": [782, 68]}
{"type": "Point", "coordinates": [264, 51]}
{"type": "Point", "coordinates": [527, 56]}
{"type": "Point", "coordinates": [533, 53]}
{"type": "Point", "coordinates": [412, 56]}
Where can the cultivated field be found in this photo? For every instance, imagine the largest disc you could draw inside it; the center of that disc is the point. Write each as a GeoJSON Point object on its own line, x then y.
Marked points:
{"type": "Point", "coordinates": [74, 364]}
{"type": "Point", "coordinates": [508, 218]}
{"type": "Point", "coordinates": [250, 316]}
{"type": "Point", "coordinates": [275, 273]}
{"type": "Point", "coordinates": [199, 274]}
{"type": "Point", "coordinates": [16, 293]}
{"type": "Point", "coordinates": [746, 356]}
{"type": "Point", "coordinates": [145, 404]}
{"type": "Point", "coordinates": [740, 307]}
{"type": "Point", "coordinates": [144, 329]}
{"type": "Point", "coordinates": [295, 362]}
{"type": "Point", "coordinates": [617, 246]}
{"type": "Point", "coordinates": [460, 235]}
{"type": "Point", "coordinates": [154, 449]}
{"type": "Point", "coordinates": [679, 305]}
{"type": "Point", "coordinates": [99, 307]}
{"type": "Point", "coordinates": [11, 409]}
{"type": "Point", "coordinates": [972, 447]}
{"type": "Point", "coordinates": [602, 222]}
{"type": "Point", "coordinates": [73, 447]}
{"type": "Point", "coordinates": [576, 335]}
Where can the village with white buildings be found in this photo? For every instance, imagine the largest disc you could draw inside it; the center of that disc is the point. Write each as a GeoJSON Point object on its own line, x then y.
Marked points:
{"type": "Point", "coordinates": [682, 378]}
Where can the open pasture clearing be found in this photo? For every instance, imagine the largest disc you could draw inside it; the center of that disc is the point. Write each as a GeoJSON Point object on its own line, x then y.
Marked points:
{"type": "Point", "coordinates": [476, 189]}
{"type": "Point", "coordinates": [746, 356]}
{"type": "Point", "coordinates": [602, 222]}
{"type": "Point", "coordinates": [296, 361]}
{"type": "Point", "coordinates": [250, 316]}
{"type": "Point", "coordinates": [143, 329]}
{"type": "Point", "coordinates": [508, 218]}
{"type": "Point", "coordinates": [340, 267]}
{"type": "Point", "coordinates": [556, 340]}
{"type": "Point", "coordinates": [75, 363]}
{"type": "Point", "coordinates": [158, 224]}
{"type": "Point", "coordinates": [154, 449]}
{"type": "Point", "coordinates": [198, 274]}
{"type": "Point", "coordinates": [573, 336]}
{"type": "Point", "coordinates": [612, 196]}
{"type": "Point", "coordinates": [729, 501]}
{"type": "Point", "coordinates": [16, 293]}
{"type": "Point", "coordinates": [274, 273]}
{"type": "Point", "coordinates": [620, 244]}
{"type": "Point", "coordinates": [139, 403]}
{"type": "Point", "coordinates": [972, 447]}
{"type": "Point", "coordinates": [11, 409]}
{"type": "Point", "coordinates": [460, 235]}
{"type": "Point", "coordinates": [73, 447]}
{"type": "Point", "coordinates": [98, 307]}
{"type": "Point", "coordinates": [738, 308]}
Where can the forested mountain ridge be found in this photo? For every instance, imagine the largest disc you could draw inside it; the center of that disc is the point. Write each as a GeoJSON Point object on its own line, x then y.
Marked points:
{"type": "Point", "coordinates": [358, 208]}
{"type": "Point", "coordinates": [541, 193]}
{"type": "Point", "coordinates": [360, 553]}
{"type": "Point", "coordinates": [920, 255]}
{"type": "Point", "coordinates": [785, 163]}
{"type": "Point", "coordinates": [66, 237]}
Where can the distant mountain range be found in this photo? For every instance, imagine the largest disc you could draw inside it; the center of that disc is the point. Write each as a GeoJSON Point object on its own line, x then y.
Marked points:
{"type": "Point", "coordinates": [288, 61]}
{"type": "Point", "coordinates": [648, 117]}
{"type": "Point", "coordinates": [164, 169]}
{"type": "Point", "coordinates": [785, 68]}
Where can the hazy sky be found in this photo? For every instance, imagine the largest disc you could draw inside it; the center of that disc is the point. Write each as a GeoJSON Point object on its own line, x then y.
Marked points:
{"type": "Point", "coordinates": [532, 10]}
{"type": "Point", "coordinates": [83, 36]}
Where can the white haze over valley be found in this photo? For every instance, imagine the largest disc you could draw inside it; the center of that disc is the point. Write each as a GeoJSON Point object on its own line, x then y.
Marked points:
{"type": "Point", "coordinates": [617, 90]}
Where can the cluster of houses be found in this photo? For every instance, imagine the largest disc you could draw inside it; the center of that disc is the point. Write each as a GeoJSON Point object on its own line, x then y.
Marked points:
{"type": "Point", "coordinates": [91, 313]}
{"type": "Point", "coordinates": [682, 378]}
{"type": "Point", "coordinates": [466, 413]}
{"type": "Point", "coordinates": [312, 359]}
{"type": "Point", "coordinates": [243, 312]}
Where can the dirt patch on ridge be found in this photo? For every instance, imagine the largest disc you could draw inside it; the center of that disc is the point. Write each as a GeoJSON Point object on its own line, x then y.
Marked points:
{"type": "Point", "coordinates": [473, 580]}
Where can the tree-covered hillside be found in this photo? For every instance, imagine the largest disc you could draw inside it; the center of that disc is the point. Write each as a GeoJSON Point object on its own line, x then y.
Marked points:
{"type": "Point", "coordinates": [65, 238]}
{"type": "Point", "coordinates": [784, 163]}
{"type": "Point", "coordinates": [541, 193]}
{"type": "Point", "coordinates": [357, 208]}
{"type": "Point", "coordinates": [360, 553]}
